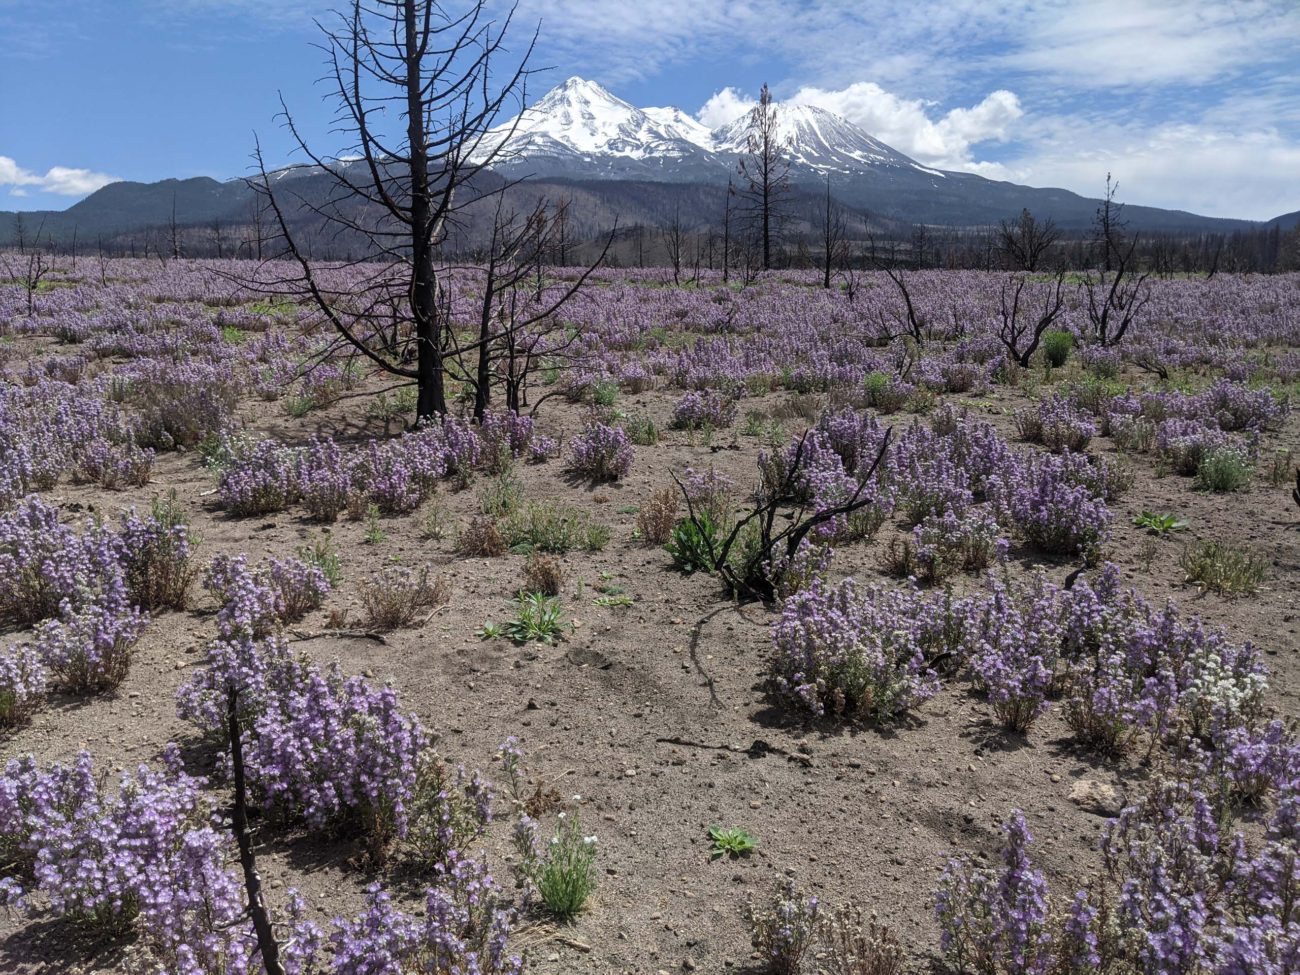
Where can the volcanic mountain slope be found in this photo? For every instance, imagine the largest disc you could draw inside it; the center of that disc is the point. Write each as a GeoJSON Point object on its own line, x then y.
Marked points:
{"type": "Point", "coordinates": [580, 131]}
{"type": "Point", "coordinates": [582, 141]}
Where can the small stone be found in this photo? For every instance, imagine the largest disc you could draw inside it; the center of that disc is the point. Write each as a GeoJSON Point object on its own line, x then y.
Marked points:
{"type": "Point", "coordinates": [689, 964]}
{"type": "Point", "coordinates": [1096, 797]}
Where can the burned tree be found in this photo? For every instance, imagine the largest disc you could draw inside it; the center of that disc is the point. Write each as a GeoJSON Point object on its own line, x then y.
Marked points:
{"type": "Point", "coordinates": [913, 324]}
{"type": "Point", "coordinates": [766, 172]}
{"type": "Point", "coordinates": [29, 269]}
{"type": "Point", "coordinates": [763, 542]}
{"type": "Point", "coordinates": [726, 232]}
{"type": "Point", "coordinates": [674, 237]}
{"type": "Point", "coordinates": [268, 946]}
{"type": "Point", "coordinates": [1026, 242]}
{"type": "Point", "coordinates": [402, 188]}
{"type": "Point", "coordinates": [1114, 299]}
{"type": "Point", "coordinates": [518, 325]}
{"type": "Point", "coordinates": [1021, 335]}
{"type": "Point", "coordinates": [834, 232]}
{"type": "Point", "coordinates": [1109, 226]}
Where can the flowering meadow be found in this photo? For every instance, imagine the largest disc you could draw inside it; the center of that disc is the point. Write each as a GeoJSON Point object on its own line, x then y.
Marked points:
{"type": "Point", "coordinates": [538, 692]}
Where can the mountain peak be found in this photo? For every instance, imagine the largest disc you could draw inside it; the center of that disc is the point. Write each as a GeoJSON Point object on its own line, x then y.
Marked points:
{"type": "Point", "coordinates": [585, 118]}
{"type": "Point", "coordinates": [577, 82]}
{"type": "Point", "coordinates": [816, 138]}
{"type": "Point", "coordinates": [578, 92]}
{"type": "Point", "coordinates": [581, 119]}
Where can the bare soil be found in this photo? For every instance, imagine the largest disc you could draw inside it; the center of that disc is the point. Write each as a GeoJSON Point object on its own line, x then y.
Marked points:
{"type": "Point", "coordinates": [657, 714]}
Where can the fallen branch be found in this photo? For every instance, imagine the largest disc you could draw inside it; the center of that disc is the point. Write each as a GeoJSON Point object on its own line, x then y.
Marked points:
{"type": "Point", "coordinates": [301, 637]}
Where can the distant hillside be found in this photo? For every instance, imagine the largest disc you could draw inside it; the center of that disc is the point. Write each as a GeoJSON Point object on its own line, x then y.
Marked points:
{"type": "Point", "coordinates": [122, 207]}
{"type": "Point", "coordinates": [1288, 221]}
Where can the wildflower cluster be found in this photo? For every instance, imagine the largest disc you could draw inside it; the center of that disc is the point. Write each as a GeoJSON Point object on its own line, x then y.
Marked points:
{"type": "Point", "coordinates": [704, 408]}
{"type": "Point", "coordinates": [858, 653]}
{"type": "Point", "coordinates": [1057, 425]}
{"type": "Point", "coordinates": [602, 453]}
{"type": "Point", "coordinates": [396, 475]}
{"type": "Point", "coordinates": [1181, 891]}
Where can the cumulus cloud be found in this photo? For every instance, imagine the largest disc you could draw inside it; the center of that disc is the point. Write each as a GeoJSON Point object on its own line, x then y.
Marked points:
{"type": "Point", "coordinates": [906, 124]}
{"type": "Point", "coordinates": [724, 106]}
{"type": "Point", "coordinates": [62, 180]}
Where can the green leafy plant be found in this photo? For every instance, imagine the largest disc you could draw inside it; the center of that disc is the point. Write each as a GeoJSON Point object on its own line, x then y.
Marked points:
{"type": "Point", "coordinates": [501, 496]}
{"type": "Point", "coordinates": [540, 619]}
{"type": "Point", "coordinates": [614, 600]}
{"type": "Point", "coordinates": [299, 406]}
{"type": "Point", "coordinates": [754, 424]}
{"type": "Point", "coordinates": [374, 533]}
{"type": "Point", "coordinates": [730, 841]}
{"type": "Point", "coordinates": [1225, 469]}
{"type": "Point", "coordinates": [433, 523]}
{"type": "Point", "coordinates": [641, 430]}
{"type": "Point", "coordinates": [548, 526]}
{"type": "Point", "coordinates": [564, 873]}
{"type": "Point", "coordinates": [1159, 524]}
{"type": "Point", "coordinates": [1281, 466]}
{"type": "Point", "coordinates": [692, 541]}
{"type": "Point", "coordinates": [322, 554]}
{"type": "Point", "coordinates": [490, 631]}
{"type": "Point", "coordinates": [1057, 345]}
{"type": "Point", "coordinates": [1231, 570]}
{"type": "Point", "coordinates": [387, 408]}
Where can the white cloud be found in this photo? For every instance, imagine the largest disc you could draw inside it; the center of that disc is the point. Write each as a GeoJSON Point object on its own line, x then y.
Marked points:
{"type": "Point", "coordinates": [62, 180]}
{"type": "Point", "coordinates": [906, 124]}
{"type": "Point", "coordinates": [1119, 43]}
{"type": "Point", "coordinates": [1245, 173]}
{"type": "Point", "coordinates": [724, 106]}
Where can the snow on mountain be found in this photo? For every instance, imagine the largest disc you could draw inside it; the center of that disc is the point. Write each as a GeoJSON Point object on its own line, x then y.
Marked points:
{"type": "Point", "coordinates": [683, 126]}
{"type": "Point", "coordinates": [584, 117]}
{"type": "Point", "coordinates": [815, 138]}
{"type": "Point", "coordinates": [582, 124]}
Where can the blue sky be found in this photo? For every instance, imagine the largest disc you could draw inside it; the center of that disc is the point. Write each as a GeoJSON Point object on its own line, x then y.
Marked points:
{"type": "Point", "coordinates": [1191, 104]}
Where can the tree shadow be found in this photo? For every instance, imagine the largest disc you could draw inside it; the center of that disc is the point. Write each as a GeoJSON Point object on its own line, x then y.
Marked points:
{"type": "Point", "coordinates": [989, 736]}
{"type": "Point", "coordinates": [48, 944]}
{"type": "Point", "coordinates": [777, 718]}
{"type": "Point", "coordinates": [313, 850]}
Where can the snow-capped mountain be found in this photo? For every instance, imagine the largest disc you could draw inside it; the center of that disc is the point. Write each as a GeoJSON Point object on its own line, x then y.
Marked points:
{"type": "Point", "coordinates": [684, 126]}
{"type": "Point", "coordinates": [583, 117]}
{"type": "Point", "coordinates": [815, 138]}
{"type": "Point", "coordinates": [582, 124]}
{"type": "Point", "coordinates": [622, 165]}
